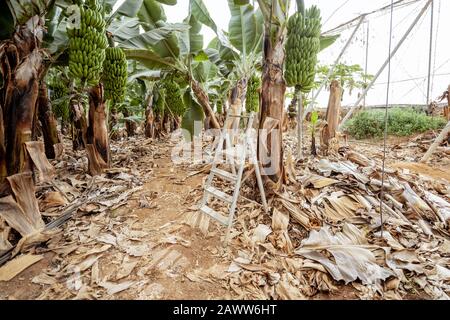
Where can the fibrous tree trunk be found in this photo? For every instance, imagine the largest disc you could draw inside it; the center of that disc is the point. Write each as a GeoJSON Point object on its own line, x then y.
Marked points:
{"type": "Point", "coordinates": [48, 121]}
{"type": "Point", "coordinates": [3, 171]}
{"type": "Point", "coordinates": [97, 132]}
{"type": "Point", "coordinates": [332, 117]}
{"type": "Point", "coordinates": [130, 125]}
{"type": "Point", "coordinates": [113, 120]}
{"type": "Point", "coordinates": [79, 124]}
{"type": "Point", "coordinates": [237, 98]}
{"type": "Point", "coordinates": [21, 68]}
{"type": "Point", "coordinates": [441, 138]}
{"type": "Point", "coordinates": [270, 147]}
{"type": "Point", "coordinates": [447, 108]}
{"type": "Point", "coordinates": [149, 118]}
{"type": "Point", "coordinates": [203, 99]}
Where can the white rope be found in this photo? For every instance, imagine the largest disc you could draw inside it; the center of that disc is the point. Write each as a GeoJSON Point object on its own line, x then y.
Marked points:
{"type": "Point", "coordinates": [386, 120]}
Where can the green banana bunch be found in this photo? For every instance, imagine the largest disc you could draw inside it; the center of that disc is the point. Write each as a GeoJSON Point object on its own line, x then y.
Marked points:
{"type": "Point", "coordinates": [302, 48]}
{"type": "Point", "coordinates": [60, 106]}
{"type": "Point", "coordinates": [252, 98]}
{"type": "Point", "coordinates": [87, 44]}
{"type": "Point", "coordinates": [219, 106]}
{"type": "Point", "coordinates": [160, 103]}
{"type": "Point", "coordinates": [115, 75]}
{"type": "Point", "coordinates": [174, 99]}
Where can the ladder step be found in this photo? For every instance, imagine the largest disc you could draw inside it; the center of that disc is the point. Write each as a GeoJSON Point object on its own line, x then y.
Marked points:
{"type": "Point", "coordinates": [225, 175]}
{"type": "Point", "coordinates": [241, 116]}
{"type": "Point", "coordinates": [215, 215]}
{"type": "Point", "coordinates": [219, 194]}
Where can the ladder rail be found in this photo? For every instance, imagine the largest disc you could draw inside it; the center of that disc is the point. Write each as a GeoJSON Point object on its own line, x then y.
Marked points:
{"type": "Point", "coordinates": [207, 196]}
{"type": "Point", "coordinates": [232, 200]}
{"type": "Point", "coordinates": [237, 188]}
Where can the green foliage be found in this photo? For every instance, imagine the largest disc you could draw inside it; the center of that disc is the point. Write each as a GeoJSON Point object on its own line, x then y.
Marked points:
{"type": "Point", "coordinates": [194, 115]}
{"type": "Point", "coordinates": [350, 76]}
{"type": "Point", "coordinates": [253, 89]}
{"type": "Point", "coordinates": [314, 118]}
{"type": "Point", "coordinates": [401, 122]}
{"type": "Point", "coordinates": [219, 107]}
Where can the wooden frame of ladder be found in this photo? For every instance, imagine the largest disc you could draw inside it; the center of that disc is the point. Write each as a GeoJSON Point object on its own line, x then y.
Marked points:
{"type": "Point", "coordinates": [234, 177]}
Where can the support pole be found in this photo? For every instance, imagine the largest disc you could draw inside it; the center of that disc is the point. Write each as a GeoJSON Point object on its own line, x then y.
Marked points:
{"type": "Point", "coordinates": [300, 124]}
{"type": "Point", "coordinates": [330, 72]}
{"type": "Point", "coordinates": [430, 60]}
{"type": "Point", "coordinates": [411, 27]}
{"type": "Point", "coordinates": [366, 69]}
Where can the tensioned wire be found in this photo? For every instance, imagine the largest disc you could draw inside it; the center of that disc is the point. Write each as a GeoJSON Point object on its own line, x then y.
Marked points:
{"type": "Point", "coordinates": [386, 121]}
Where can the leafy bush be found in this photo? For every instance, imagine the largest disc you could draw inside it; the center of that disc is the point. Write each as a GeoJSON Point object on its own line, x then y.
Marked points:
{"type": "Point", "coordinates": [402, 122]}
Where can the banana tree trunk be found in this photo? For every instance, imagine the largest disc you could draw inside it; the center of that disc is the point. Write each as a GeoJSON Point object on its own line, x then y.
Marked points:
{"type": "Point", "coordinates": [130, 125]}
{"type": "Point", "coordinates": [48, 122]}
{"type": "Point", "coordinates": [149, 118]}
{"type": "Point", "coordinates": [3, 172]}
{"type": "Point", "coordinates": [270, 147]}
{"type": "Point", "coordinates": [21, 67]}
{"type": "Point", "coordinates": [97, 132]}
{"type": "Point", "coordinates": [237, 98]}
{"type": "Point", "coordinates": [447, 108]}
{"type": "Point", "coordinates": [203, 99]}
{"type": "Point", "coordinates": [79, 124]}
{"type": "Point", "coordinates": [113, 120]}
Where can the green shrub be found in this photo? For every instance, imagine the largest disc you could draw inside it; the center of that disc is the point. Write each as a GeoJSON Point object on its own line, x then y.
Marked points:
{"type": "Point", "coordinates": [402, 122]}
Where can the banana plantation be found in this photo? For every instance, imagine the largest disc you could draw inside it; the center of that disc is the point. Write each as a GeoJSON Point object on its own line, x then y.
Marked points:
{"type": "Point", "coordinates": [149, 151]}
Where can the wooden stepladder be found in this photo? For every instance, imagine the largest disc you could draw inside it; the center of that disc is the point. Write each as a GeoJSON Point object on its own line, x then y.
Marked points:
{"type": "Point", "coordinates": [236, 154]}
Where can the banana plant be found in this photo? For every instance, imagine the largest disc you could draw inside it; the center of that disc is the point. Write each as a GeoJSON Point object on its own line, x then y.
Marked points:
{"type": "Point", "coordinates": [22, 28]}
{"type": "Point", "coordinates": [177, 52]}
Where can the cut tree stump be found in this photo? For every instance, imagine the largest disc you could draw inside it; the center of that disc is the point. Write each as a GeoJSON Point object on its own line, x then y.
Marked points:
{"type": "Point", "coordinates": [48, 122]}
{"type": "Point", "coordinates": [79, 124]}
{"type": "Point", "coordinates": [329, 130]}
{"type": "Point", "coordinates": [444, 135]}
{"type": "Point", "coordinates": [97, 132]}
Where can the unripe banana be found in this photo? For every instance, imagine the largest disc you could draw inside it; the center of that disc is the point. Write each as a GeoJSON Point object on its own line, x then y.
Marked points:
{"type": "Point", "coordinates": [302, 48]}
{"type": "Point", "coordinates": [87, 44]}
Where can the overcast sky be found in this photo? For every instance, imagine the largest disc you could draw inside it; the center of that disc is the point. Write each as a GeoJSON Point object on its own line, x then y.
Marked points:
{"type": "Point", "coordinates": [410, 62]}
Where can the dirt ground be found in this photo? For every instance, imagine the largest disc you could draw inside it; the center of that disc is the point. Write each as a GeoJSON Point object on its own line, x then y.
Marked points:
{"type": "Point", "coordinates": [170, 267]}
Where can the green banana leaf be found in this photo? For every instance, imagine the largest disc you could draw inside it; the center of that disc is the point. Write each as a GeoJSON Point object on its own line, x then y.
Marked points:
{"type": "Point", "coordinates": [152, 16]}
{"type": "Point", "coordinates": [129, 8]}
{"type": "Point", "coordinates": [204, 71]}
{"type": "Point", "coordinates": [145, 75]}
{"type": "Point", "coordinates": [168, 2]}
{"type": "Point", "coordinates": [191, 41]}
{"type": "Point", "coordinates": [151, 59]}
{"type": "Point", "coordinates": [124, 29]}
{"type": "Point", "coordinates": [198, 9]}
{"type": "Point", "coordinates": [153, 37]}
{"type": "Point", "coordinates": [245, 28]}
{"type": "Point", "coordinates": [327, 41]}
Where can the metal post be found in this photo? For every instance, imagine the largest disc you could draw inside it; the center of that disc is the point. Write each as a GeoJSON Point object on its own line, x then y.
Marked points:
{"type": "Point", "coordinates": [366, 69]}
{"type": "Point", "coordinates": [300, 124]}
{"type": "Point", "coordinates": [330, 72]}
{"type": "Point", "coordinates": [352, 110]}
{"type": "Point", "coordinates": [430, 60]}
